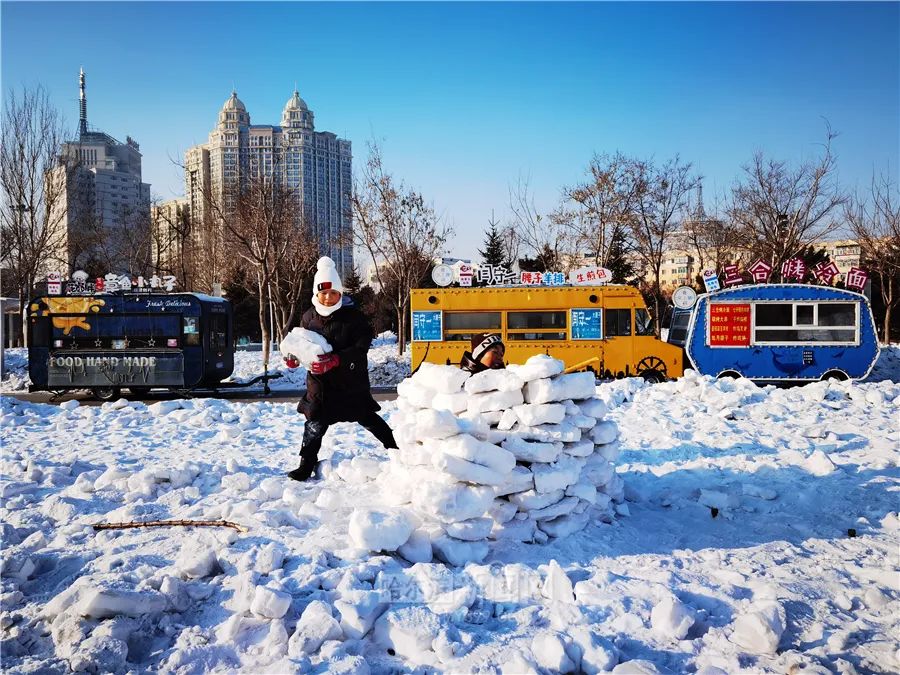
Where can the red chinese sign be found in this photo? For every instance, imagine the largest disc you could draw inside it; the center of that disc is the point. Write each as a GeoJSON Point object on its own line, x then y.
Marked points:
{"type": "Point", "coordinates": [760, 271]}
{"type": "Point", "coordinates": [826, 272]}
{"type": "Point", "coordinates": [857, 279]}
{"type": "Point", "coordinates": [794, 268]}
{"type": "Point", "coordinates": [729, 325]}
{"type": "Point", "coordinates": [733, 275]}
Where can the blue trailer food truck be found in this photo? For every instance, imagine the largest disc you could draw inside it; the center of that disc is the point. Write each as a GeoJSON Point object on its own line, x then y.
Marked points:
{"type": "Point", "coordinates": [177, 341]}
{"type": "Point", "coordinates": [783, 332]}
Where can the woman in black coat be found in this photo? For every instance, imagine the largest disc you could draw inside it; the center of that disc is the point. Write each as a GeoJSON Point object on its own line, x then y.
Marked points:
{"type": "Point", "coordinates": [337, 386]}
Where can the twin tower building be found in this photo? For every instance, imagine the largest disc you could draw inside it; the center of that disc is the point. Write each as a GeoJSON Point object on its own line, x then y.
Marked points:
{"type": "Point", "coordinates": [104, 186]}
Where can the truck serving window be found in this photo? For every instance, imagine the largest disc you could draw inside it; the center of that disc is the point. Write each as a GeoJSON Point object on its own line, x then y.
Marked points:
{"type": "Point", "coordinates": [815, 323]}
{"type": "Point", "coordinates": [459, 326]}
{"type": "Point", "coordinates": [617, 322]}
{"type": "Point", "coordinates": [643, 324]}
{"type": "Point", "coordinates": [536, 326]}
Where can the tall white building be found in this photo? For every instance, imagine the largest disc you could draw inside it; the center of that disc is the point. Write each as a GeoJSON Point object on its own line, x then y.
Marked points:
{"type": "Point", "coordinates": [314, 165]}
{"type": "Point", "coordinates": [105, 199]}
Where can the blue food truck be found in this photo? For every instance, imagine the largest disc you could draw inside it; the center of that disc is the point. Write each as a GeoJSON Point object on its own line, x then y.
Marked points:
{"type": "Point", "coordinates": [783, 332]}
{"type": "Point", "coordinates": [137, 341]}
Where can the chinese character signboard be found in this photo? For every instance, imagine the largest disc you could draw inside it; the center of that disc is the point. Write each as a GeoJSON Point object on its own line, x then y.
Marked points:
{"type": "Point", "coordinates": [588, 276]}
{"type": "Point", "coordinates": [466, 272]}
{"type": "Point", "coordinates": [760, 271]}
{"type": "Point", "coordinates": [857, 279]}
{"type": "Point", "coordinates": [826, 272]}
{"type": "Point", "coordinates": [495, 275]}
{"type": "Point", "coordinates": [794, 268]}
{"type": "Point", "coordinates": [733, 275]}
{"type": "Point", "coordinates": [54, 283]}
{"type": "Point", "coordinates": [427, 326]}
{"type": "Point", "coordinates": [729, 325]}
{"type": "Point", "coordinates": [587, 324]}
{"type": "Point", "coordinates": [711, 281]}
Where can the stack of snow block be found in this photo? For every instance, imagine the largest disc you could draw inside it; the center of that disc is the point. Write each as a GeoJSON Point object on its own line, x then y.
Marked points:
{"type": "Point", "coordinates": [520, 454]}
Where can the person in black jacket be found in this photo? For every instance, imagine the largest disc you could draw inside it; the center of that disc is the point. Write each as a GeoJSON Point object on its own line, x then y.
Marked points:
{"type": "Point", "coordinates": [487, 353]}
{"type": "Point", "coordinates": [337, 385]}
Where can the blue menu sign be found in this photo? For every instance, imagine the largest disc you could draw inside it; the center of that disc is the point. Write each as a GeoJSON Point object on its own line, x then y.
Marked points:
{"type": "Point", "coordinates": [427, 326]}
{"type": "Point", "coordinates": [587, 323]}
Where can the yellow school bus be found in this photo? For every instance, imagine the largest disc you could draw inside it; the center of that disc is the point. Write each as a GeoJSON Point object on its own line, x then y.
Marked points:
{"type": "Point", "coordinates": [606, 329]}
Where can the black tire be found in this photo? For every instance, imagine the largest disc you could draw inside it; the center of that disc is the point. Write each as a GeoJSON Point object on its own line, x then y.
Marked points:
{"type": "Point", "coordinates": [106, 393]}
{"type": "Point", "coordinates": [653, 366]}
{"type": "Point", "coordinates": [652, 376]}
{"type": "Point", "coordinates": [732, 374]}
{"type": "Point", "coordinates": [139, 391]}
{"type": "Point", "coordinates": [838, 375]}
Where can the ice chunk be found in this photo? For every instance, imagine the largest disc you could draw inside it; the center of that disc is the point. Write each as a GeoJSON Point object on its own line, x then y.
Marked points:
{"type": "Point", "coordinates": [409, 631]}
{"type": "Point", "coordinates": [502, 511]}
{"type": "Point", "coordinates": [520, 479]}
{"type": "Point", "coordinates": [582, 421]}
{"type": "Point", "coordinates": [305, 344]}
{"type": "Point", "coordinates": [100, 654]}
{"type": "Point", "coordinates": [507, 420]}
{"type": "Point", "coordinates": [316, 625]}
{"type": "Point", "coordinates": [414, 454]}
{"type": "Point", "coordinates": [557, 585]}
{"type": "Point", "coordinates": [560, 388]}
{"type": "Point", "coordinates": [161, 408]}
{"type": "Point", "coordinates": [610, 451]}
{"type": "Point", "coordinates": [435, 424]}
{"type": "Point", "coordinates": [533, 414]}
{"type": "Point", "coordinates": [819, 464]}
{"type": "Point", "coordinates": [104, 602]}
{"type": "Point", "coordinates": [457, 552]}
{"type": "Point", "coordinates": [270, 603]}
{"type": "Point", "coordinates": [636, 667]}
{"type": "Point", "coordinates": [467, 471]}
{"type": "Point", "coordinates": [562, 507]}
{"type": "Point", "coordinates": [379, 530]}
{"type": "Point", "coordinates": [455, 403]}
{"type": "Point", "coordinates": [549, 651]}
{"type": "Point", "coordinates": [196, 561]}
{"type": "Point", "coordinates": [481, 419]}
{"type": "Point", "coordinates": [471, 449]}
{"type": "Point", "coordinates": [759, 629]}
{"type": "Point", "coordinates": [442, 379]}
{"type": "Point", "coordinates": [534, 451]}
{"type": "Point", "coordinates": [604, 432]}
{"type": "Point", "coordinates": [493, 380]}
{"type": "Point", "coordinates": [593, 407]}
{"type": "Point", "coordinates": [584, 490]}
{"type": "Point", "coordinates": [532, 500]}
{"type": "Point", "coordinates": [359, 609]}
{"type": "Point", "coordinates": [557, 476]}
{"type": "Point", "coordinates": [582, 448]}
{"type": "Point", "coordinates": [564, 525]}
{"type": "Point", "coordinates": [494, 401]}
{"type": "Point", "coordinates": [417, 548]}
{"type": "Point", "coordinates": [515, 530]}
{"type": "Point", "coordinates": [415, 394]}
{"type": "Point", "coordinates": [598, 655]}
{"type": "Point", "coordinates": [671, 618]}
{"type": "Point", "coordinates": [473, 529]}
{"type": "Point", "coordinates": [537, 367]}
{"type": "Point", "coordinates": [564, 432]}
{"type": "Point", "coordinates": [452, 502]}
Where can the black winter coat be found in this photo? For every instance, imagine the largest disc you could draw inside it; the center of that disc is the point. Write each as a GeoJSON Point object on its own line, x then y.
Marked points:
{"type": "Point", "coordinates": [343, 393]}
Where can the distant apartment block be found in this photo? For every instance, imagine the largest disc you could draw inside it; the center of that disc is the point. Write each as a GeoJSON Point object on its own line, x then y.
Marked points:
{"type": "Point", "coordinates": [103, 198]}
{"type": "Point", "coordinates": [170, 227]}
{"type": "Point", "coordinates": [314, 165]}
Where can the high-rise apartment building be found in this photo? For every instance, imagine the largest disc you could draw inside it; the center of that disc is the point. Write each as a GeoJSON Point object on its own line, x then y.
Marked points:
{"type": "Point", "coordinates": [104, 212]}
{"type": "Point", "coordinates": [314, 165]}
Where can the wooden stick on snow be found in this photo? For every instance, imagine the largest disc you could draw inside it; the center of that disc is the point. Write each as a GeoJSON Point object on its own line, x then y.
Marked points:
{"type": "Point", "coordinates": [170, 523]}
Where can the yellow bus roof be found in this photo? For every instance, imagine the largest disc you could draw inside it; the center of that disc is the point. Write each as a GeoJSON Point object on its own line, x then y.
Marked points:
{"type": "Point", "coordinates": [501, 297]}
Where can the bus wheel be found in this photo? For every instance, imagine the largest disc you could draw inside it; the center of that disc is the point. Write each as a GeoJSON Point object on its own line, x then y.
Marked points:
{"type": "Point", "coordinates": [139, 391]}
{"type": "Point", "coordinates": [838, 375]}
{"type": "Point", "coordinates": [651, 365]}
{"type": "Point", "coordinates": [105, 393]}
{"type": "Point", "coordinates": [732, 374]}
{"type": "Point", "coordinates": [652, 376]}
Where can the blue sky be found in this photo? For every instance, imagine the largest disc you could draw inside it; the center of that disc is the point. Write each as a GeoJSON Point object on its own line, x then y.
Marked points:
{"type": "Point", "coordinates": [467, 97]}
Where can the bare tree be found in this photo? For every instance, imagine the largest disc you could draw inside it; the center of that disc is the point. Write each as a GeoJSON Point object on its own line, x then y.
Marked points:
{"type": "Point", "coordinates": [399, 230]}
{"type": "Point", "coordinates": [874, 222]}
{"type": "Point", "coordinates": [33, 184]}
{"type": "Point", "coordinates": [661, 201]}
{"type": "Point", "coordinates": [780, 210]}
{"type": "Point", "coordinates": [598, 210]}
{"type": "Point", "coordinates": [542, 236]}
{"type": "Point", "coordinates": [714, 240]}
{"type": "Point", "coordinates": [290, 275]}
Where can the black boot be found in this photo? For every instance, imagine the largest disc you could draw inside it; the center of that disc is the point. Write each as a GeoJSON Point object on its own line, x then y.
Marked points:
{"type": "Point", "coordinates": [303, 472]}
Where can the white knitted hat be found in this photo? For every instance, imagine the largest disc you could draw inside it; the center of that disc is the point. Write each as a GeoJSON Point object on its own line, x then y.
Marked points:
{"type": "Point", "coordinates": [327, 277]}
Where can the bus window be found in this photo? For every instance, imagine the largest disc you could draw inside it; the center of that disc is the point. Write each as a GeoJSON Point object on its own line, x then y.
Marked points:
{"type": "Point", "coordinates": [472, 321]}
{"type": "Point", "coordinates": [786, 322]}
{"type": "Point", "coordinates": [536, 326]}
{"type": "Point", "coordinates": [618, 322]}
{"type": "Point", "coordinates": [191, 331]}
{"type": "Point", "coordinates": [643, 324]}
{"type": "Point", "coordinates": [218, 328]}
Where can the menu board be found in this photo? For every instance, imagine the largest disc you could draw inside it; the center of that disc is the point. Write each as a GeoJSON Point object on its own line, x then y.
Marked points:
{"type": "Point", "coordinates": [427, 326]}
{"type": "Point", "coordinates": [729, 324]}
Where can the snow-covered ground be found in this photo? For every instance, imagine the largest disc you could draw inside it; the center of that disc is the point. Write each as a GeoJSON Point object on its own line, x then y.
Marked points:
{"type": "Point", "coordinates": [760, 534]}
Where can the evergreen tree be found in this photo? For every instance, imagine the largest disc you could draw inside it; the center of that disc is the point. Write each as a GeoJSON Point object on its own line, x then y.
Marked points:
{"type": "Point", "coordinates": [618, 261]}
{"type": "Point", "coordinates": [352, 283]}
{"type": "Point", "coordinates": [493, 253]}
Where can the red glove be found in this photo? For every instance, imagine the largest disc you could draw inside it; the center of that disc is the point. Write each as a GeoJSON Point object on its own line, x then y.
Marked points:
{"type": "Point", "coordinates": [291, 361]}
{"type": "Point", "coordinates": [325, 363]}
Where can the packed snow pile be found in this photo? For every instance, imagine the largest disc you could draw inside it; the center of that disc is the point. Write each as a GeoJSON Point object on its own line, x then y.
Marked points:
{"type": "Point", "coordinates": [305, 345]}
{"type": "Point", "coordinates": [522, 454]}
